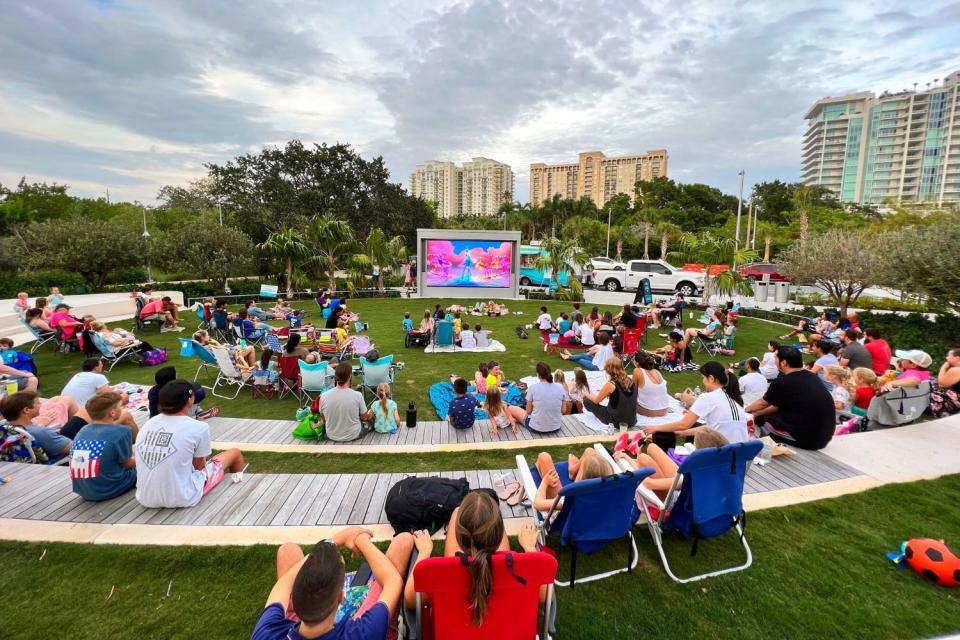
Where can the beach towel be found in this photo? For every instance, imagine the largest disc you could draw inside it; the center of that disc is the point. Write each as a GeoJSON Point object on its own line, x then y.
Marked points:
{"type": "Point", "coordinates": [442, 394]}
{"type": "Point", "coordinates": [137, 398]}
{"type": "Point", "coordinates": [495, 345]}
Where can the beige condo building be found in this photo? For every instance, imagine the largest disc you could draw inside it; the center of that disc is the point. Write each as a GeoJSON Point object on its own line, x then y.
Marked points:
{"type": "Point", "coordinates": [477, 188]}
{"type": "Point", "coordinates": [595, 175]}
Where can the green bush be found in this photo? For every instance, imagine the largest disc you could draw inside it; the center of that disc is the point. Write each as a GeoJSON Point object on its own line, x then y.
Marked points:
{"type": "Point", "coordinates": [868, 302]}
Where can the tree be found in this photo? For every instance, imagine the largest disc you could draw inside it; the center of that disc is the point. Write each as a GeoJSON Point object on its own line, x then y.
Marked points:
{"type": "Point", "coordinates": [936, 274]}
{"type": "Point", "coordinates": [558, 257]}
{"type": "Point", "coordinates": [92, 248]}
{"type": "Point", "coordinates": [802, 200]}
{"type": "Point", "coordinates": [205, 249]}
{"type": "Point", "coordinates": [331, 244]}
{"type": "Point", "coordinates": [842, 262]}
{"type": "Point", "coordinates": [287, 246]}
{"type": "Point", "coordinates": [710, 249]}
{"type": "Point", "coordinates": [377, 251]}
{"type": "Point", "coordinates": [667, 231]}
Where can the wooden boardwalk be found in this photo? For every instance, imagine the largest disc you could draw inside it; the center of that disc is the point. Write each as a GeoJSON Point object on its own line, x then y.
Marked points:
{"type": "Point", "coordinates": [40, 492]}
{"type": "Point", "coordinates": [277, 432]}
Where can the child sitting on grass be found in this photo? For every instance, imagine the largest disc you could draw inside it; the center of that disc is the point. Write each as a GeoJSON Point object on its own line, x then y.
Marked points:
{"type": "Point", "coordinates": [560, 379]}
{"type": "Point", "coordinates": [500, 416]}
{"type": "Point", "coordinates": [461, 414]}
{"type": "Point", "coordinates": [385, 414]}
{"type": "Point", "coordinates": [494, 374]}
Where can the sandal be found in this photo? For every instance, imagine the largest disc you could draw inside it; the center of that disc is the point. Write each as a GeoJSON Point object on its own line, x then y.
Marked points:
{"type": "Point", "coordinates": [509, 490]}
{"type": "Point", "coordinates": [212, 412]}
{"type": "Point", "coordinates": [517, 498]}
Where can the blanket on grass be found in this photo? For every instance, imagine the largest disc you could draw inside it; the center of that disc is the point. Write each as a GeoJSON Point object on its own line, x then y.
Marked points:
{"type": "Point", "coordinates": [562, 342]}
{"type": "Point", "coordinates": [137, 394]}
{"type": "Point", "coordinates": [495, 345]}
{"type": "Point", "coordinates": [442, 394]}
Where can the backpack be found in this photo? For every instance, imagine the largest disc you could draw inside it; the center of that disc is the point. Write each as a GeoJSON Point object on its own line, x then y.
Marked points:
{"type": "Point", "coordinates": [521, 332]}
{"type": "Point", "coordinates": [154, 357]}
{"type": "Point", "coordinates": [424, 503]}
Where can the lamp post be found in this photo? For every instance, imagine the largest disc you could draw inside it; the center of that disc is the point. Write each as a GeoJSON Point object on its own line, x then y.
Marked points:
{"type": "Point", "coordinates": [736, 235]}
{"type": "Point", "coordinates": [146, 240]}
{"type": "Point", "coordinates": [220, 211]}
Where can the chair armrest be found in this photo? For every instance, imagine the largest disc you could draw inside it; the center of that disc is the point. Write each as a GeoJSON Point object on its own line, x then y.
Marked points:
{"type": "Point", "coordinates": [526, 480]}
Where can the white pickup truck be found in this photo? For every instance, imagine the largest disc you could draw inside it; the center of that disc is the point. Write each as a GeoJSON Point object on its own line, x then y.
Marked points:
{"type": "Point", "coordinates": [664, 278]}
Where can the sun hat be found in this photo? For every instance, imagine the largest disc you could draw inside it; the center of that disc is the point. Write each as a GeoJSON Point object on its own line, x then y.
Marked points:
{"type": "Point", "coordinates": [920, 358]}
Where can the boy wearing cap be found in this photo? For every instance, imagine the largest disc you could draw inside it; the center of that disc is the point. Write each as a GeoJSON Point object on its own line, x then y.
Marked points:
{"type": "Point", "coordinates": [173, 468]}
{"type": "Point", "coordinates": [308, 599]}
{"type": "Point", "coordinates": [914, 367]}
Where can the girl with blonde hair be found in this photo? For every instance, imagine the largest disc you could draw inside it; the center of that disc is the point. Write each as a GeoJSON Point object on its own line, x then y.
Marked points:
{"type": "Point", "coordinates": [500, 416]}
{"type": "Point", "coordinates": [587, 466]}
{"type": "Point", "coordinates": [844, 388]}
{"type": "Point", "coordinates": [386, 418]}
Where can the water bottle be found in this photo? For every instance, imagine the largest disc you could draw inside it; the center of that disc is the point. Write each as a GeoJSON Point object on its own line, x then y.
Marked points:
{"type": "Point", "coordinates": [243, 343]}
{"type": "Point", "coordinates": [411, 415]}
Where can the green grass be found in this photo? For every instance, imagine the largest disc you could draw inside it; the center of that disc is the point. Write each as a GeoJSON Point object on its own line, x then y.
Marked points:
{"type": "Point", "coordinates": [819, 572]}
{"type": "Point", "coordinates": [412, 383]}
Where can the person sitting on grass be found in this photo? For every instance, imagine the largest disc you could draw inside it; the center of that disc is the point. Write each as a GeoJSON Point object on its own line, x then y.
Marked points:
{"type": "Point", "coordinates": [102, 465]}
{"type": "Point", "coordinates": [308, 601]}
{"type": "Point", "coordinates": [461, 414]}
{"type": "Point", "coordinates": [254, 311]}
{"type": "Point", "coordinates": [719, 407]}
{"type": "Point", "coordinates": [468, 339]}
{"type": "Point", "coordinates": [480, 377]}
{"type": "Point", "coordinates": [244, 357]}
{"type": "Point", "coordinates": [593, 358]}
{"type": "Point", "coordinates": [577, 390]}
{"type": "Point", "coordinates": [853, 354]}
{"type": "Point", "coordinates": [482, 336]}
{"type": "Point", "coordinates": [174, 466]}
{"type": "Point", "coordinates": [627, 318]}
{"type": "Point", "coordinates": [23, 409]}
{"type": "Point", "coordinates": [544, 322]}
{"type": "Point", "coordinates": [82, 386]}
{"type": "Point", "coordinates": [386, 417]}
{"type": "Point", "coordinates": [797, 408]}
{"type": "Point", "coordinates": [945, 398]}
{"type": "Point", "coordinates": [343, 409]}
{"type": "Point", "coordinates": [665, 467]}
{"type": "Point", "coordinates": [753, 384]}
{"type": "Point", "coordinates": [545, 398]}
{"type": "Point", "coordinates": [495, 377]}
{"type": "Point", "coordinates": [587, 466]}
{"type": "Point", "coordinates": [475, 532]}
{"type": "Point", "coordinates": [168, 374]}
{"type": "Point", "coordinates": [500, 416]}
{"type": "Point", "coordinates": [620, 394]}
{"type": "Point", "coordinates": [163, 309]}
{"type": "Point", "coordinates": [585, 335]}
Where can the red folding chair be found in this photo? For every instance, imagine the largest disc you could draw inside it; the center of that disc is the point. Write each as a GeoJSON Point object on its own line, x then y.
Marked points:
{"type": "Point", "coordinates": [289, 378]}
{"type": "Point", "coordinates": [631, 343]}
{"type": "Point", "coordinates": [512, 609]}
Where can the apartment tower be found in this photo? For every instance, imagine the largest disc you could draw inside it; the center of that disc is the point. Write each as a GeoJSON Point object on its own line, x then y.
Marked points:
{"type": "Point", "coordinates": [898, 147]}
{"type": "Point", "coordinates": [477, 188]}
{"type": "Point", "coordinates": [595, 175]}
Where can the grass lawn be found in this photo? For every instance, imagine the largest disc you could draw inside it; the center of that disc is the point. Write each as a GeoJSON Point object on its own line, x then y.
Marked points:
{"type": "Point", "coordinates": [384, 317]}
{"type": "Point", "coordinates": [819, 572]}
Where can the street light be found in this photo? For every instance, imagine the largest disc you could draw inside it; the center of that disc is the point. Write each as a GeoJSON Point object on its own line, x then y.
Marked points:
{"type": "Point", "coordinates": [736, 236]}
{"type": "Point", "coordinates": [146, 239]}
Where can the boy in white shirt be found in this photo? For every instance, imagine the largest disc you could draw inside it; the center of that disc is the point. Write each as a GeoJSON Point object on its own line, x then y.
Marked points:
{"type": "Point", "coordinates": [467, 338]}
{"type": "Point", "coordinates": [544, 321]}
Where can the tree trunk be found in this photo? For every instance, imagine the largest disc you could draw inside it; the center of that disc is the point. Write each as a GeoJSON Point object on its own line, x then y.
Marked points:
{"type": "Point", "coordinates": [289, 277]}
{"type": "Point", "coordinates": [619, 249]}
{"type": "Point", "coordinates": [767, 240]}
{"type": "Point", "coordinates": [332, 275]}
{"type": "Point", "coordinates": [664, 239]}
{"type": "Point", "coordinates": [646, 240]}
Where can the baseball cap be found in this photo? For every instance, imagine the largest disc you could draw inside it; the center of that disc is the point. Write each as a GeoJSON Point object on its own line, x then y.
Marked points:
{"type": "Point", "coordinates": [62, 305]}
{"type": "Point", "coordinates": [174, 395]}
{"type": "Point", "coordinates": [916, 356]}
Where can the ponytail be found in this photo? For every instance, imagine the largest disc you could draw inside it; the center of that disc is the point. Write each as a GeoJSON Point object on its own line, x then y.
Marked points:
{"type": "Point", "coordinates": [480, 568]}
{"type": "Point", "coordinates": [727, 379]}
{"type": "Point", "coordinates": [480, 532]}
{"type": "Point", "coordinates": [383, 392]}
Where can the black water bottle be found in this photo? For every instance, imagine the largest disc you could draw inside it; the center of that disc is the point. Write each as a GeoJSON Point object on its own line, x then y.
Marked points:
{"type": "Point", "coordinates": [411, 415]}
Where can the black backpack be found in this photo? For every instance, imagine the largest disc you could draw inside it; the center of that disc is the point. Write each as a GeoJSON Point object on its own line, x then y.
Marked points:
{"type": "Point", "coordinates": [521, 332]}
{"type": "Point", "coordinates": [424, 503]}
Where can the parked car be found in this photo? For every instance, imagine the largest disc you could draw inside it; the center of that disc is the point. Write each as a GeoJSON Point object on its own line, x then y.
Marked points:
{"type": "Point", "coordinates": [600, 263]}
{"type": "Point", "coordinates": [756, 270]}
{"type": "Point", "coordinates": [663, 276]}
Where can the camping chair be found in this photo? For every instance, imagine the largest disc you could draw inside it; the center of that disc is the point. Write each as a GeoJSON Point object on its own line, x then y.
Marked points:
{"type": "Point", "coordinates": [631, 343]}
{"type": "Point", "coordinates": [38, 339]}
{"type": "Point", "coordinates": [595, 513]}
{"type": "Point", "coordinates": [273, 342]}
{"type": "Point", "coordinates": [314, 378]}
{"type": "Point", "coordinates": [444, 335]}
{"type": "Point", "coordinates": [220, 327]}
{"type": "Point", "coordinates": [207, 359]}
{"type": "Point", "coordinates": [238, 335]}
{"type": "Point", "coordinates": [111, 355]}
{"type": "Point", "coordinates": [513, 606]}
{"type": "Point", "coordinates": [705, 501]}
{"type": "Point", "coordinates": [901, 406]}
{"type": "Point", "coordinates": [202, 315]}
{"type": "Point", "coordinates": [375, 373]}
{"type": "Point", "coordinates": [17, 445]}
{"type": "Point", "coordinates": [288, 376]}
{"type": "Point", "coordinates": [710, 345]}
{"type": "Point", "coordinates": [141, 323]}
{"type": "Point", "coordinates": [356, 348]}
{"type": "Point", "coordinates": [263, 383]}
{"type": "Point", "coordinates": [228, 375]}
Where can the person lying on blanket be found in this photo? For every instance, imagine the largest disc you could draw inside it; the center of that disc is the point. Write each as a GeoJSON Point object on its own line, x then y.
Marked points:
{"type": "Point", "coordinates": [589, 465]}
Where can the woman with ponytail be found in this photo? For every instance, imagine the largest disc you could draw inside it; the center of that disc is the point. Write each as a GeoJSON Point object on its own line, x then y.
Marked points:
{"type": "Point", "coordinates": [476, 532]}
{"type": "Point", "coordinates": [719, 407]}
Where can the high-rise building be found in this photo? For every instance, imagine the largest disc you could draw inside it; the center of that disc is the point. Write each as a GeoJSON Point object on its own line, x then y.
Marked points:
{"type": "Point", "coordinates": [477, 188]}
{"type": "Point", "coordinates": [900, 147]}
{"type": "Point", "coordinates": [595, 175]}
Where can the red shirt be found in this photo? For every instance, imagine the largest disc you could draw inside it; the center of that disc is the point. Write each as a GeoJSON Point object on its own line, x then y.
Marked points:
{"type": "Point", "coordinates": [863, 396]}
{"type": "Point", "coordinates": [881, 353]}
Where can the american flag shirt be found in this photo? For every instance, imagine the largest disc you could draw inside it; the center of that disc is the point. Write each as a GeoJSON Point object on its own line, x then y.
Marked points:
{"type": "Point", "coordinates": [85, 458]}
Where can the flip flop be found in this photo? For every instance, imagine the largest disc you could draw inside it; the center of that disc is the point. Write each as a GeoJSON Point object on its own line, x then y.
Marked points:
{"type": "Point", "coordinates": [509, 490]}
{"type": "Point", "coordinates": [517, 498]}
{"type": "Point", "coordinates": [212, 412]}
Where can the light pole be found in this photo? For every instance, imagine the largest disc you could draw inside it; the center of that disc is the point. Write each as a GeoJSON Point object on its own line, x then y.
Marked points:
{"type": "Point", "coordinates": [146, 240]}
{"type": "Point", "coordinates": [736, 235]}
{"type": "Point", "coordinates": [609, 211]}
{"type": "Point", "coordinates": [220, 210]}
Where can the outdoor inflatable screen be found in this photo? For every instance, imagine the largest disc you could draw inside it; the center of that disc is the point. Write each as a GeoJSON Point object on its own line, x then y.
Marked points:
{"type": "Point", "coordinates": [468, 263]}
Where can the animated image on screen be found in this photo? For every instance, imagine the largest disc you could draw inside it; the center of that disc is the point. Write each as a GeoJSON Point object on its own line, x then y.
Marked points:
{"type": "Point", "coordinates": [468, 263]}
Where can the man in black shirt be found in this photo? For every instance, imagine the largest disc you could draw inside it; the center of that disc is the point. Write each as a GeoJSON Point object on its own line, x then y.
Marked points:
{"type": "Point", "coordinates": [797, 408]}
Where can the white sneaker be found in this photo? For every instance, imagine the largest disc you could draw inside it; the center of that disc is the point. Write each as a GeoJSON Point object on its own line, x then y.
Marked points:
{"type": "Point", "coordinates": [179, 328]}
{"type": "Point", "coordinates": [166, 329]}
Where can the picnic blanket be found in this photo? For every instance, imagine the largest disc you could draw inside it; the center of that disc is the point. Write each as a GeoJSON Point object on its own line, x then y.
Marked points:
{"type": "Point", "coordinates": [591, 422]}
{"type": "Point", "coordinates": [495, 345]}
{"type": "Point", "coordinates": [137, 394]}
{"type": "Point", "coordinates": [561, 343]}
{"type": "Point", "coordinates": [442, 394]}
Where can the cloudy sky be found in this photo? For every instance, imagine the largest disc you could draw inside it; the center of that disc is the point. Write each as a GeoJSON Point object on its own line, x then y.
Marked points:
{"type": "Point", "coordinates": [129, 95]}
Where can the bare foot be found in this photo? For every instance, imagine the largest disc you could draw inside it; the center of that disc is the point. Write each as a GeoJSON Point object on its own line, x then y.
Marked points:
{"type": "Point", "coordinates": [573, 466]}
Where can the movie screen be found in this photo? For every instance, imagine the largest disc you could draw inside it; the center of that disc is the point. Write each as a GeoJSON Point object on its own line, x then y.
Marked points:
{"type": "Point", "coordinates": [468, 263]}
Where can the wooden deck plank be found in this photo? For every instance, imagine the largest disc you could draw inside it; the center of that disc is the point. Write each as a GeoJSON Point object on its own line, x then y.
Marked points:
{"type": "Point", "coordinates": [329, 499]}
{"type": "Point", "coordinates": [228, 498]}
{"type": "Point", "coordinates": [297, 495]}
{"type": "Point", "coordinates": [361, 505]}
{"type": "Point", "coordinates": [257, 502]}
{"type": "Point", "coordinates": [342, 515]}
{"type": "Point", "coordinates": [269, 506]}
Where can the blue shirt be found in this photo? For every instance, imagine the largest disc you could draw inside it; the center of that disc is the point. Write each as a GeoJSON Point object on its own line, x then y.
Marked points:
{"type": "Point", "coordinates": [51, 441]}
{"type": "Point", "coordinates": [407, 324]}
{"type": "Point", "coordinates": [373, 625]}
{"type": "Point", "coordinates": [563, 326]}
{"type": "Point", "coordinates": [462, 411]}
{"type": "Point", "coordinates": [96, 461]}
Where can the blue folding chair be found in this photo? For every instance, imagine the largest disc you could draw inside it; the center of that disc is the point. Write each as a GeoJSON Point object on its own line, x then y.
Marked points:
{"type": "Point", "coordinates": [443, 335]}
{"type": "Point", "coordinates": [375, 373]}
{"type": "Point", "coordinates": [111, 355]}
{"type": "Point", "coordinates": [207, 359]}
{"type": "Point", "coordinates": [39, 339]}
{"type": "Point", "coordinates": [203, 324]}
{"type": "Point", "coordinates": [589, 514]}
{"type": "Point", "coordinates": [315, 378]}
{"type": "Point", "coordinates": [705, 501]}
{"type": "Point", "coordinates": [273, 343]}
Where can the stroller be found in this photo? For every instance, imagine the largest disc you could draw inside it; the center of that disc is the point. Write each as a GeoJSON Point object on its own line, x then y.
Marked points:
{"type": "Point", "coordinates": [416, 339]}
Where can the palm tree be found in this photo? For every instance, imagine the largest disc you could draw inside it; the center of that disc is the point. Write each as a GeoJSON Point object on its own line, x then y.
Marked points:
{"type": "Point", "coordinates": [331, 242]}
{"type": "Point", "coordinates": [377, 252]}
{"type": "Point", "coordinates": [802, 199]}
{"type": "Point", "coordinates": [558, 256]}
{"type": "Point", "coordinates": [289, 247]}
{"type": "Point", "coordinates": [666, 230]}
{"type": "Point", "coordinates": [768, 232]}
{"type": "Point", "coordinates": [707, 248]}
